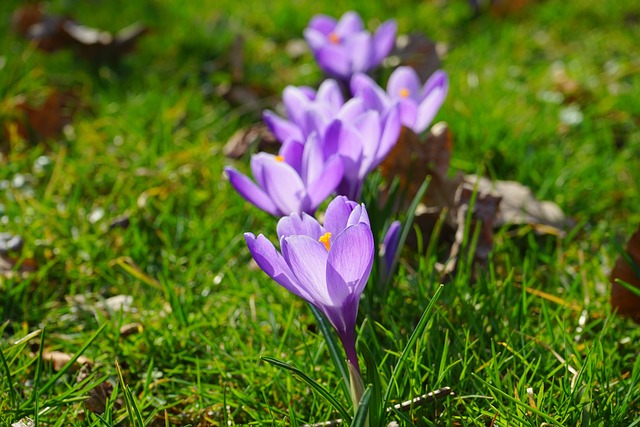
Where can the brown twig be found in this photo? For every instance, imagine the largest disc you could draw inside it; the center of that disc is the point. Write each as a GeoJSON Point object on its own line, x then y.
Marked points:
{"type": "Point", "coordinates": [432, 396]}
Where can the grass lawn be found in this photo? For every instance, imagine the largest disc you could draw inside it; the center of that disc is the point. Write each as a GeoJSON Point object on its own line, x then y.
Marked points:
{"type": "Point", "coordinates": [547, 96]}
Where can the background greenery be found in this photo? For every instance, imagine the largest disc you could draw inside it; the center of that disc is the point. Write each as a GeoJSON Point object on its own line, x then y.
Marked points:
{"type": "Point", "coordinates": [148, 144]}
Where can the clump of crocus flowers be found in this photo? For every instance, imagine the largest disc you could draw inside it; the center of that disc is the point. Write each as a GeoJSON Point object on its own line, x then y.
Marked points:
{"type": "Point", "coordinates": [330, 145]}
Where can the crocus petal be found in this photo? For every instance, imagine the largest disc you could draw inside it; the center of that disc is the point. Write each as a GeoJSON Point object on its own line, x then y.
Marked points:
{"type": "Point", "coordinates": [404, 79]}
{"type": "Point", "coordinates": [430, 105]}
{"type": "Point", "coordinates": [307, 259]}
{"type": "Point", "coordinates": [438, 79]}
{"type": "Point", "coordinates": [285, 187]}
{"type": "Point", "coordinates": [408, 111]}
{"type": "Point", "coordinates": [251, 192]}
{"type": "Point", "coordinates": [390, 134]}
{"type": "Point", "coordinates": [337, 214]}
{"type": "Point", "coordinates": [291, 151]}
{"type": "Point", "coordinates": [351, 109]}
{"type": "Point", "coordinates": [361, 50]}
{"type": "Point", "coordinates": [327, 183]}
{"type": "Point", "coordinates": [323, 23]}
{"type": "Point", "coordinates": [329, 93]}
{"type": "Point", "coordinates": [281, 128]}
{"type": "Point", "coordinates": [302, 224]}
{"type": "Point", "coordinates": [312, 160]}
{"type": "Point", "coordinates": [334, 60]}
{"type": "Point", "coordinates": [384, 40]}
{"type": "Point", "coordinates": [295, 101]}
{"type": "Point", "coordinates": [358, 215]}
{"type": "Point", "coordinates": [390, 246]}
{"type": "Point", "coordinates": [315, 119]}
{"type": "Point", "coordinates": [316, 39]}
{"type": "Point", "coordinates": [369, 126]}
{"type": "Point", "coordinates": [372, 95]}
{"type": "Point", "coordinates": [349, 24]}
{"type": "Point", "coordinates": [272, 263]}
{"type": "Point", "coordinates": [349, 262]}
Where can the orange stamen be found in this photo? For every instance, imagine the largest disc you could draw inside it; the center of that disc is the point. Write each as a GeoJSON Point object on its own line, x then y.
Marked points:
{"type": "Point", "coordinates": [404, 92]}
{"type": "Point", "coordinates": [279, 158]}
{"type": "Point", "coordinates": [334, 38]}
{"type": "Point", "coordinates": [324, 239]}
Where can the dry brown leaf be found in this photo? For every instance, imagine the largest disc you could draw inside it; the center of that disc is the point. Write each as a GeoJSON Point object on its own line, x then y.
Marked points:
{"type": "Point", "coordinates": [99, 395]}
{"type": "Point", "coordinates": [503, 8]}
{"type": "Point", "coordinates": [411, 160]}
{"type": "Point", "coordinates": [53, 32]}
{"type": "Point", "coordinates": [418, 52]}
{"type": "Point", "coordinates": [10, 243]}
{"type": "Point", "coordinates": [519, 206]}
{"type": "Point", "coordinates": [58, 359]}
{"type": "Point", "coordinates": [131, 329]}
{"type": "Point", "coordinates": [240, 141]}
{"type": "Point", "coordinates": [11, 266]}
{"type": "Point", "coordinates": [24, 422]}
{"type": "Point", "coordinates": [625, 301]}
{"type": "Point", "coordinates": [48, 119]}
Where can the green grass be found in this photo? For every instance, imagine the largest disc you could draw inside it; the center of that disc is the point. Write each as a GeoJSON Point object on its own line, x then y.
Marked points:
{"type": "Point", "coordinates": [148, 143]}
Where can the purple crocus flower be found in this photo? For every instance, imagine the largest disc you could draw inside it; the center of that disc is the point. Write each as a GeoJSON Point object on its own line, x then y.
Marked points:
{"type": "Point", "coordinates": [298, 101]}
{"type": "Point", "coordinates": [343, 48]}
{"type": "Point", "coordinates": [327, 266]}
{"type": "Point", "coordinates": [309, 111]}
{"type": "Point", "coordinates": [363, 142]}
{"type": "Point", "coordinates": [418, 104]}
{"type": "Point", "coordinates": [297, 180]}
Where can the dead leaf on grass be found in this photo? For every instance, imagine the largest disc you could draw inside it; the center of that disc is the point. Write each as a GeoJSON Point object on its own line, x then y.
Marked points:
{"type": "Point", "coordinates": [241, 141]}
{"type": "Point", "coordinates": [59, 359]}
{"type": "Point", "coordinates": [24, 422]}
{"type": "Point", "coordinates": [418, 52]}
{"type": "Point", "coordinates": [98, 396]}
{"type": "Point", "coordinates": [53, 33]}
{"type": "Point", "coordinates": [131, 329]}
{"type": "Point", "coordinates": [10, 243]}
{"type": "Point", "coordinates": [12, 266]}
{"type": "Point", "coordinates": [622, 299]}
{"type": "Point", "coordinates": [520, 206]}
{"type": "Point", "coordinates": [494, 204]}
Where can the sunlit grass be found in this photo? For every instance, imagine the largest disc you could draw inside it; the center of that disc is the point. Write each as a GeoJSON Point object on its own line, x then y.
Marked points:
{"type": "Point", "coordinates": [147, 143]}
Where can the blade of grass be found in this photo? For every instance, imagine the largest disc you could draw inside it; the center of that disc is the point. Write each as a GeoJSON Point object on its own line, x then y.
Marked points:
{"type": "Point", "coordinates": [361, 418]}
{"type": "Point", "coordinates": [68, 365]}
{"type": "Point", "coordinates": [376, 408]}
{"type": "Point", "coordinates": [335, 349]}
{"type": "Point", "coordinates": [415, 335]}
{"type": "Point", "coordinates": [314, 385]}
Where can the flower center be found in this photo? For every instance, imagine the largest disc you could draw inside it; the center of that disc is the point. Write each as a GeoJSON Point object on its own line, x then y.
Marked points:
{"type": "Point", "coordinates": [404, 92]}
{"type": "Point", "coordinates": [279, 158]}
{"type": "Point", "coordinates": [334, 38]}
{"type": "Point", "coordinates": [324, 239]}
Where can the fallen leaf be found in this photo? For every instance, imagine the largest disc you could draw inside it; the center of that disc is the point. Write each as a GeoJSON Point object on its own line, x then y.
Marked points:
{"type": "Point", "coordinates": [519, 206]}
{"type": "Point", "coordinates": [10, 243]}
{"type": "Point", "coordinates": [131, 329]}
{"type": "Point", "coordinates": [503, 8]}
{"type": "Point", "coordinates": [418, 52]}
{"type": "Point", "coordinates": [411, 160]}
{"type": "Point", "coordinates": [122, 221]}
{"type": "Point", "coordinates": [52, 33]}
{"type": "Point", "coordinates": [24, 422]}
{"type": "Point", "coordinates": [242, 139]}
{"type": "Point", "coordinates": [497, 203]}
{"type": "Point", "coordinates": [12, 266]}
{"type": "Point", "coordinates": [622, 299]}
{"type": "Point", "coordinates": [98, 396]}
{"type": "Point", "coordinates": [59, 359]}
